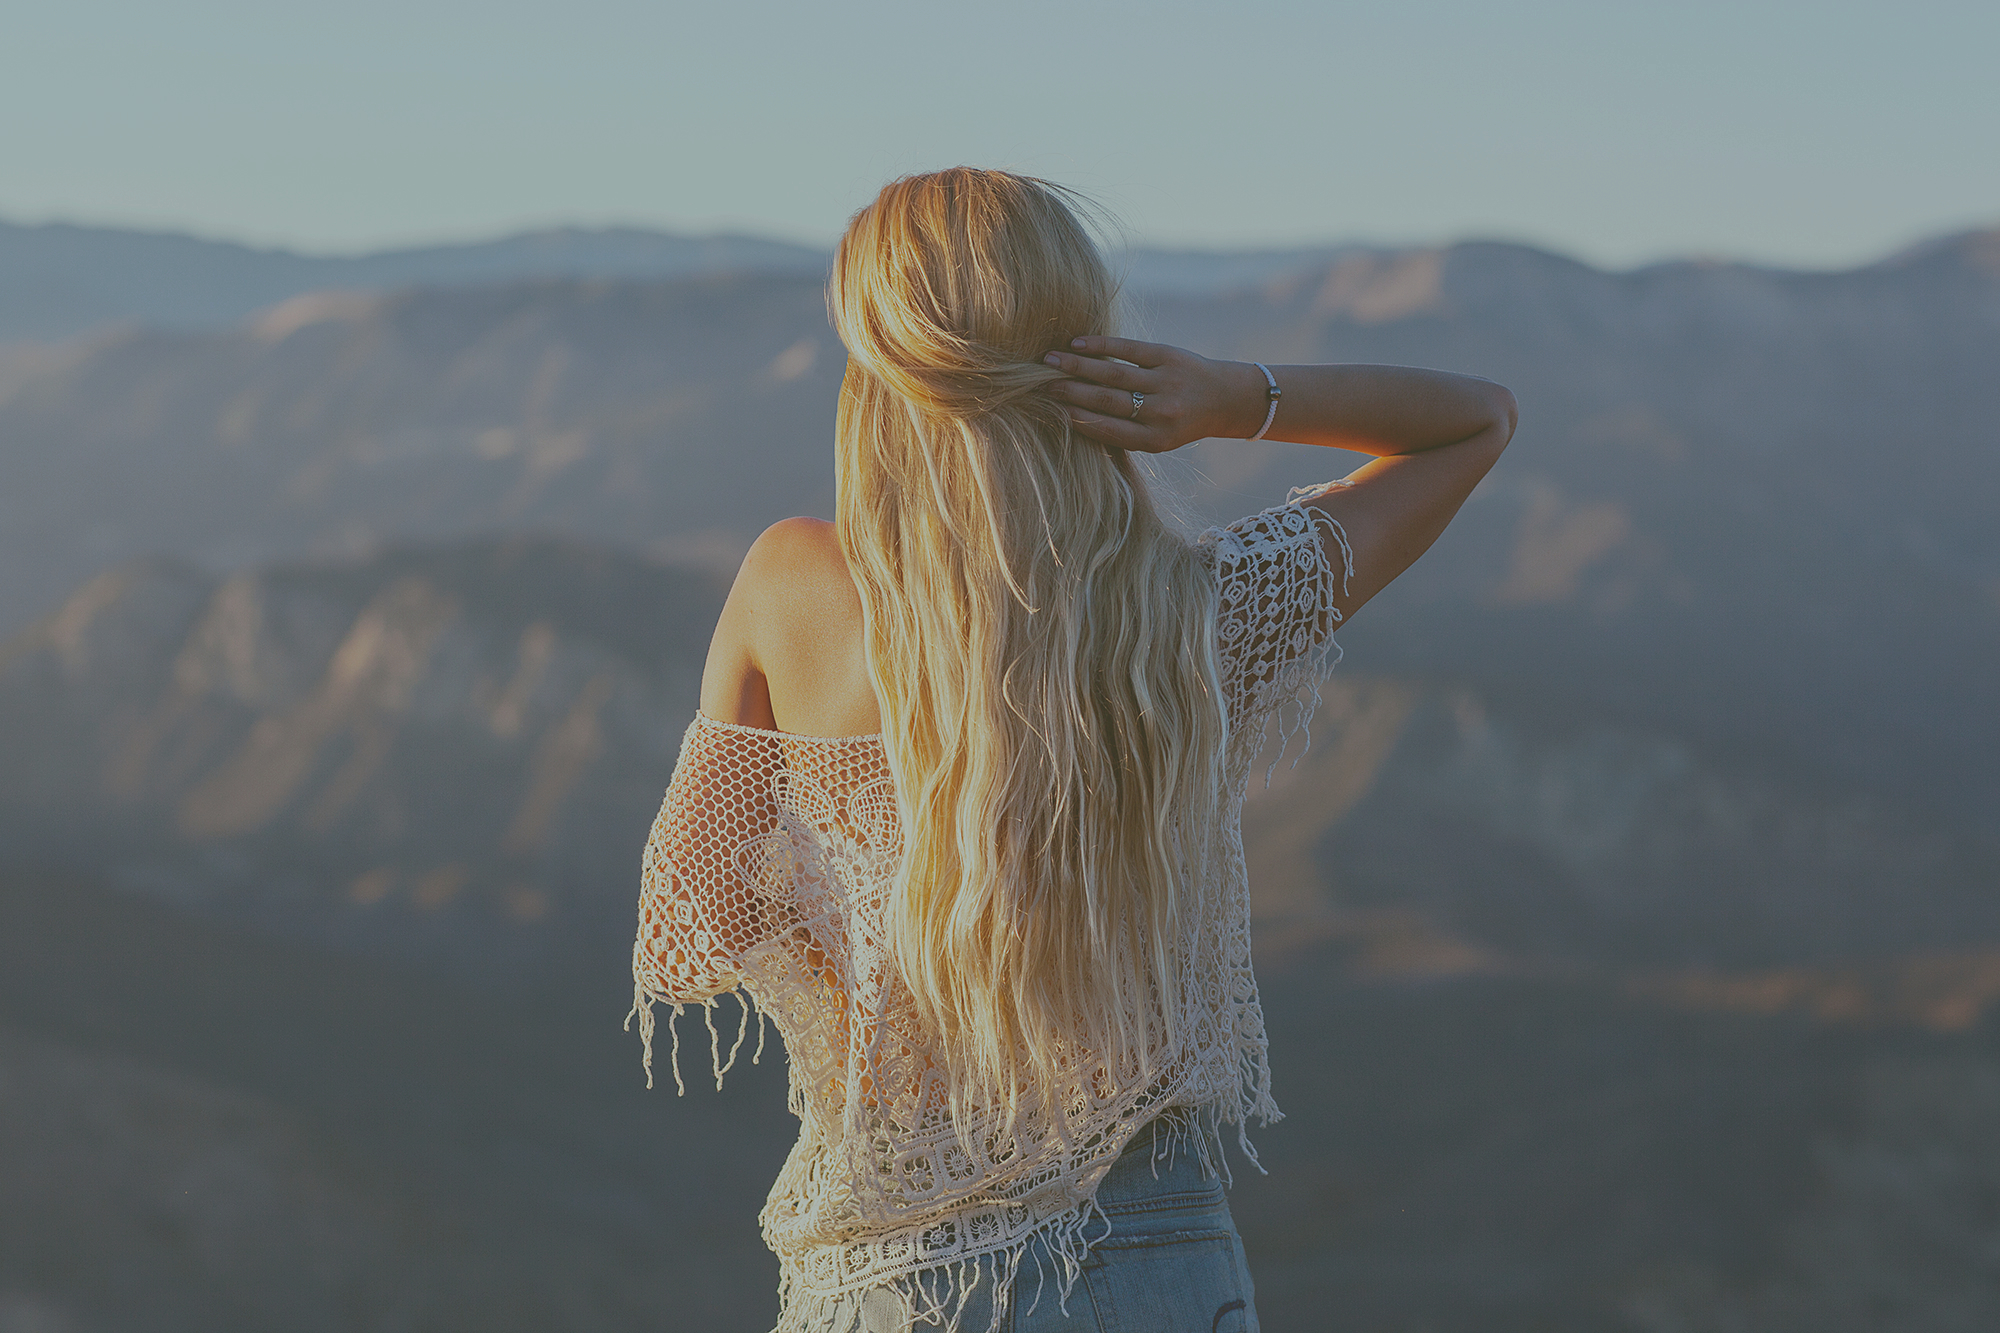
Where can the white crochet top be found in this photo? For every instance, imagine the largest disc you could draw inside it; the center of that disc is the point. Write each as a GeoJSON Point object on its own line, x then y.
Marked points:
{"type": "Point", "coordinates": [766, 874]}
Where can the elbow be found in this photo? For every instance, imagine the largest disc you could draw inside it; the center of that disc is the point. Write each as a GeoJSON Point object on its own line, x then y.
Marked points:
{"type": "Point", "coordinates": [673, 977]}
{"type": "Point", "coordinates": [676, 964]}
{"type": "Point", "coordinates": [1506, 413]}
{"type": "Point", "coordinates": [1502, 413]}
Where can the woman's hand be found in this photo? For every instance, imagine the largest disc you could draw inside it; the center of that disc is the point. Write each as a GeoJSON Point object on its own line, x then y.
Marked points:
{"type": "Point", "coordinates": [1187, 397]}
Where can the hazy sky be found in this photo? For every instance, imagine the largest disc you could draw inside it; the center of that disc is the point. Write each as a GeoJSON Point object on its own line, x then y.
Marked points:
{"type": "Point", "coordinates": [1820, 133]}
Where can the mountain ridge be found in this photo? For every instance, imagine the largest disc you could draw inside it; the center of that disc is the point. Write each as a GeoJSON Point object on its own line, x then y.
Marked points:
{"type": "Point", "coordinates": [59, 280]}
{"type": "Point", "coordinates": [1718, 470]}
{"type": "Point", "coordinates": [1627, 934]}
{"type": "Point", "coordinates": [450, 754]}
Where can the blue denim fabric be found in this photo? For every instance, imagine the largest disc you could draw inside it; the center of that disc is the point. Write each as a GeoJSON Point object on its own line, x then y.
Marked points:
{"type": "Point", "coordinates": [1171, 1263]}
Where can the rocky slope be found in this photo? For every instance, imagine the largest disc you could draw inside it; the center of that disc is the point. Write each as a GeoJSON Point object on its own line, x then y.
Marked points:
{"type": "Point", "coordinates": [58, 280]}
{"type": "Point", "coordinates": [204, 1129]}
{"type": "Point", "coordinates": [453, 752]}
{"type": "Point", "coordinates": [448, 752]}
{"type": "Point", "coordinates": [1745, 505]}
{"type": "Point", "coordinates": [201, 1128]}
{"type": "Point", "coordinates": [311, 1001]}
{"type": "Point", "coordinates": [1629, 928]}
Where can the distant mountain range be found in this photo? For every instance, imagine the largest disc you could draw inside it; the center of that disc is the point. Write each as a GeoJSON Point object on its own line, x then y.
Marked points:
{"type": "Point", "coordinates": [58, 280]}
{"type": "Point", "coordinates": [1629, 932]}
{"type": "Point", "coordinates": [1745, 506]}
{"type": "Point", "coordinates": [317, 903]}
{"type": "Point", "coordinates": [450, 755]}
{"type": "Point", "coordinates": [445, 755]}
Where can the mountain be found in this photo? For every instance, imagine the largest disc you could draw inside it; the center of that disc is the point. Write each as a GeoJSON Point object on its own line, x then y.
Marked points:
{"type": "Point", "coordinates": [283, 1136]}
{"type": "Point", "coordinates": [208, 1130]}
{"type": "Point", "coordinates": [1628, 930]}
{"type": "Point", "coordinates": [649, 414]}
{"type": "Point", "coordinates": [59, 280]}
{"type": "Point", "coordinates": [449, 754]}
{"type": "Point", "coordinates": [1745, 505]}
{"type": "Point", "coordinates": [315, 917]}
{"type": "Point", "coordinates": [1148, 273]}
{"type": "Point", "coordinates": [1501, 836]}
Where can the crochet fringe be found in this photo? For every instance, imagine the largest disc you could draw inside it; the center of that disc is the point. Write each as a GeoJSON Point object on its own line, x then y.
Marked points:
{"type": "Point", "coordinates": [938, 1297]}
{"type": "Point", "coordinates": [642, 1009]}
{"type": "Point", "coordinates": [1255, 1099]}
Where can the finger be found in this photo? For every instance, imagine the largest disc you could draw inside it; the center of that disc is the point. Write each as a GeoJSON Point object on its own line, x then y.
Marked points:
{"type": "Point", "coordinates": [1116, 374]}
{"type": "Point", "coordinates": [1104, 401]}
{"type": "Point", "coordinates": [1149, 355]}
{"type": "Point", "coordinates": [1111, 430]}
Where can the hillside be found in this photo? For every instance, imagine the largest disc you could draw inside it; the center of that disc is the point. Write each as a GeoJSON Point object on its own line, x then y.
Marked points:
{"type": "Point", "coordinates": [1629, 929]}
{"type": "Point", "coordinates": [203, 1129]}
{"type": "Point", "coordinates": [450, 753]}
{"type": "Point", "coordinates": [1745, 505]}
{"type": "Point", "coordinates": [59, 280]}
{"type": "Point", "coordinates": [310, 1001]}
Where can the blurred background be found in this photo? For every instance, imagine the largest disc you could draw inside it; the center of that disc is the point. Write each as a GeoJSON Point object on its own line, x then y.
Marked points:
{"type": "Point", "coordinates": [388, 391]}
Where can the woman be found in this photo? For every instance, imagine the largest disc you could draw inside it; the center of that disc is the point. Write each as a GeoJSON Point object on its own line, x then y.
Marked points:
{"type": "Point", "coordinates": [960, 809]}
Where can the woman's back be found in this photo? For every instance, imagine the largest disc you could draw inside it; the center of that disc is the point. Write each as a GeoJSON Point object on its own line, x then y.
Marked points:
{"type": "Point", "coordinates": [961, 813]}
{"type": "Point", "coordinates": [771, 868]}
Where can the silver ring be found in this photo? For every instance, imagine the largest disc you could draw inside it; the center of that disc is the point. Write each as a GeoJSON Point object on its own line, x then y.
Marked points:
{"type": "Point", "coordinates": [1138, 401]}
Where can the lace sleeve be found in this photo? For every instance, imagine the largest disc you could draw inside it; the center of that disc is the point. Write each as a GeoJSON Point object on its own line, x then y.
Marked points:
{"type": "Point", "coordinates": [1277, 611]}
{"type": "Point", "coordinates": [700, 906]}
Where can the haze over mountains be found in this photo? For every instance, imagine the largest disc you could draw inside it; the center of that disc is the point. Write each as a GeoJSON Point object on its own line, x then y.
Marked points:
{"type": "Point", "coordinates": [60, 279]}
{"type": "Point", "coordinates": [1780, 479]}
{"type": "Point", "coordinates": [1631, 928]}
{"type": "Point", "coordinates": [323, 926]}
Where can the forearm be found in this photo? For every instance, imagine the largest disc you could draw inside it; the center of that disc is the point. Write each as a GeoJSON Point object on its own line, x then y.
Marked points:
{"type": "Point", "coordinates": [1380, 410]}
{"type": "Point", "coordinates": [1151, 397]}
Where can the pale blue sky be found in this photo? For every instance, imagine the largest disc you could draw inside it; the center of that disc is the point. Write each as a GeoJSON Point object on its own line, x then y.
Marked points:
{"type": "Point", "coordinates": [1814, 134]}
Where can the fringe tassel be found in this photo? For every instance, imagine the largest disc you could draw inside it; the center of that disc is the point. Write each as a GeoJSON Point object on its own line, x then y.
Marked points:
{"type": "Point", "coordinates": [642, 1009]}
{"type": "Point", "coordinates": [938, 1297]}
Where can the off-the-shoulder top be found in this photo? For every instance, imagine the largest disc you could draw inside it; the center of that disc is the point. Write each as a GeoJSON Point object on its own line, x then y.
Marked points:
{"type": "Point", "coordinates": [766, 875]}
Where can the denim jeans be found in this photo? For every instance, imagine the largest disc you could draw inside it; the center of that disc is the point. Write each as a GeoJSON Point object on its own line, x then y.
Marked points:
{"type": "Point", "coordinates": [1172, 1262]}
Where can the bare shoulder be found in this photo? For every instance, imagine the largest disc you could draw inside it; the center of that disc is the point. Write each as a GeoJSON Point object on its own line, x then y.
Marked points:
{"type": "Point", "coordinates": [793, 538]}
{"type": "Point", "coordinates": [797, 557]}
{"type": "Point", "coordinates": [787, 650]}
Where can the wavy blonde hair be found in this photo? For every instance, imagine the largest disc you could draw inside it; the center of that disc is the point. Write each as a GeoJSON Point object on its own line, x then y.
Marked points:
{"type": "Point", "coordinates": [1041, 644]}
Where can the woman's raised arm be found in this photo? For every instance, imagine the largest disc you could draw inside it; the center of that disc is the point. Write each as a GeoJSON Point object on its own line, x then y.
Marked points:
{"type": "Point", "coordinates": [1434, 434]}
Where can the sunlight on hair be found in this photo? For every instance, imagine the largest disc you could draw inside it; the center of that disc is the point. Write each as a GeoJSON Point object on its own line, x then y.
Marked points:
{"type": "Point", "coordinates": [1042, 644]}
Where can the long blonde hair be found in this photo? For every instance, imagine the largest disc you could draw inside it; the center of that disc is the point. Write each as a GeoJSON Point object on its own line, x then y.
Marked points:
{"type": "Point", "coordinates": [1040, 642]}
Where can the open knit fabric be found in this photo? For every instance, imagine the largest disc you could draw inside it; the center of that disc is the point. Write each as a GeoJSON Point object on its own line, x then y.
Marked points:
{"type": "Point", "coordinates": [767, 874]}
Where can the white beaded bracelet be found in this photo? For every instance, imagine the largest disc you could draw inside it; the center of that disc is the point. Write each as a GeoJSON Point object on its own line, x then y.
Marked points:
{"type": "Point", "coordinates": [1273, 393]}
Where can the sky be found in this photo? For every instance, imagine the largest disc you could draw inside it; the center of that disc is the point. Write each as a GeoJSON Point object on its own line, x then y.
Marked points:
{"type": "Point", "coordinates": [1814, 135]}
